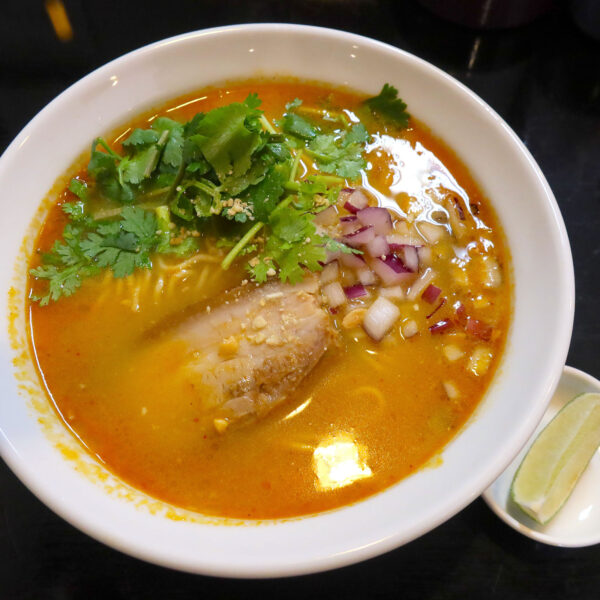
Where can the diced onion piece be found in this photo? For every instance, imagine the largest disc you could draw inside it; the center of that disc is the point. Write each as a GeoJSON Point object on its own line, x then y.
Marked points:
{"type": "Point", "coordinates": [478, 329]}
{"type": "Point", "coordinates": [419, 285]}
{"type": "Point", "coordinates": [377, 217]}
{"type": "Point", "coordinates": [452, 352]}
{"type": "Point", "coordinates": [326, 217]}
{"type": "Point", "coordinates": [380, 317]}
{"type": "Point", "coordinates": [411, 258]}
{"type": "Point", "coordinates": [432, 233]}
{"type": "Point", "coordinates": [355, 291]}
{"type": "Point", "coordinates": [441, 326]}
{"type": "Point", "coordinates": [330, 272]}
{"type": "Point", "coordinates": [451, 390]}
{"type": "Point", "coordinates": [460, 312]}
{"type": "Point", "coordinates": [331, 256]}
{"type": "Point", "coordinates": [410, 328]}
{"type": "Point", "coordinates": [398, 241]}
{"type": "Point", "coordinates": [480, 360]}
{"type": "Point", "coordinates": [431, 293]}
{"type": "Point", "coordinates": [356, 201]}
{"type": "Point", "coordinates": [378, 246]}
{"type": "Point", "coordinates": [493, 274]}
{"type": "Point", "coordinates": [343, 196]}
{"type": "Point", "coordinates": [353, 261]}
{"type": "Point", "coordinates": [391, 270]}
{"type": "Point", "coordinates": [349, 224]}
{"type": "Point", "coordinates": [425, 256]}
{"type": "Point", "coordinates": [360, 237]}
{"type": "Point", "coordinates": [396, 292]}
{"type": "Point", "coordinates": [334, 294]}
{"type": "Point", "coordinates": [366, 276]}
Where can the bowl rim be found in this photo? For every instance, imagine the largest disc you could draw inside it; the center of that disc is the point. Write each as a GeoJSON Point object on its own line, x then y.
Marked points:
{"type": "Point", "coordinates": [477, 484]}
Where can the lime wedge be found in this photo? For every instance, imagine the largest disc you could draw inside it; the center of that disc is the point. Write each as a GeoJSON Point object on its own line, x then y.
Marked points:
{"type": "Point", "coordinates": [557, 458]}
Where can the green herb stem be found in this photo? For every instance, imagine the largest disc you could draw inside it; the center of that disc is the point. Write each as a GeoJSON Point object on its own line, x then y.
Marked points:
{"type": "Point", "coordinates": [267, 125]}
{"type": "Point", "coordinates": [247, 238]}
{"type": "Point", "coordinates": [297, 159]}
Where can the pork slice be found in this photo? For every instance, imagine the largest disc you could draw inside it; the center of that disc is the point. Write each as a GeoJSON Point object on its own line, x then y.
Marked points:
{"type": "Point", "coordinates": [248, 353]}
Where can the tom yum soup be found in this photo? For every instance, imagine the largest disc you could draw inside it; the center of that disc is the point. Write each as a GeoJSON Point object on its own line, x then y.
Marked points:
{"type": "Point", "coordinates": [269, 300]}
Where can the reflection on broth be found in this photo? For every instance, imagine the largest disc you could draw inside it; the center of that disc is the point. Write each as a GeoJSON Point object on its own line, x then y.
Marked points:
{"type": "Point", "coordinates": [339, 461]}
{"type": "Point", "coordinates": [205, 379]}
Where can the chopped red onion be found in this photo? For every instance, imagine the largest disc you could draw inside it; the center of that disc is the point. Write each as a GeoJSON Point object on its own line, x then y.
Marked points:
{"type": "Point", "coordinates": [419, 285]}
{"type": "Point", "coordinates": [330, 272]}
{"type": "Point", "coordinates": [376, 216]}
{"type": "Point", "coordinates": [366, 276]}
{"type": "Point", "coordinates": [355, 291]}
{"type": "Point", "coordinates": [334, 294]}
{"type": "Point", "coordinates": [395, 291]}
{"type": "Point", "coordinates": [479, 329]}
{"type": "Point", "coordinates": [441, 326]}
{"type": "Point", "coordinates": [349, 225]}
{"type": "Point", "coordinates": [431, 293]}
{"type": "Point", "coordinates": [425, 256]}
{"type": "Point", "coordinates": [353, 261]}
{"type": "Point", "coordinates": [397, 241]}
{"type": "Point", "coordinates": [378, 246]}
{"type": "Point", "coordinates": [326, 217]}
{"type": "Point", "coordinates": [411, 258]}
{"type": "Point", "coordinates": [380, 317]}
{"type": "Point", "coordinates": [360, 237]}
{"type": "Point", "coordinates": [331, 256]}
{"type": "Point", "coordinates": [355, 201]}
{"type": "Point", "coordinates": [391, 270]}
{"type": "Point", "coordinates": [443, 301]}
{"type": "Point", "coordinates": [461, 313]}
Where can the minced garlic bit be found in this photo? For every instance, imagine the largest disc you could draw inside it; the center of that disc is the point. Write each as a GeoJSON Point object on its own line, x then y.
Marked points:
{"type": "Point", "coordinates": [235, 206]}
{"type": "Point", "coordinates": [221, 425]}
{"type": "Point", "coordinates": [259, 322]}
{"type": "Point", "coordinates": [271, 272]}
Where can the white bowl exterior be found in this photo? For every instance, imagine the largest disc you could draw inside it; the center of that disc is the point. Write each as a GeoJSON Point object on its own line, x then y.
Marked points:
{"type": "Point", "coordinates": [538, 338]}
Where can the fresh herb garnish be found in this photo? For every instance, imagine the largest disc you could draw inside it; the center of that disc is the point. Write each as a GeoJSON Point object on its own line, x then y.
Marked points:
{"type": "Point", "coordinates": [388, 106]}
{"type": "Point", "coordinates": [229, 166]}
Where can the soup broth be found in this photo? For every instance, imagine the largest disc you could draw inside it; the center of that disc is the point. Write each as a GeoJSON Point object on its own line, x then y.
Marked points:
{"type": "Point", "coordinates": [371, 412]}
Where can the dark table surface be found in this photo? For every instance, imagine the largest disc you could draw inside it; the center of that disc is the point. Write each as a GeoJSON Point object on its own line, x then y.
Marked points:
{"type": "Point", "coordinates": [543, 78]}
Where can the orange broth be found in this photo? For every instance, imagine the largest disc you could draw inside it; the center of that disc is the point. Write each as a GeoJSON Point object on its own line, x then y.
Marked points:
{"type": "Point", "coordinates": [366, 417]}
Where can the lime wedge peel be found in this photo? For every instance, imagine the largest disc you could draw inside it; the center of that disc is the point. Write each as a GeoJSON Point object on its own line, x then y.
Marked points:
{"type": "Point", "coordinates": [557, 458]}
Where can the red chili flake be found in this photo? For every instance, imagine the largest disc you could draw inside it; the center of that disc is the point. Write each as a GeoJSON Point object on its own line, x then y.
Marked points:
{"type": "Point", "coordinates": [333, 310]}
{"type": "Point", "coordinates": [436, 308]}
{"type": "Point", "coordinates": [441, 326]}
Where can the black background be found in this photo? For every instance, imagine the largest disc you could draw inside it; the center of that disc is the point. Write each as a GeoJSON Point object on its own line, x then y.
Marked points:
{"type": "Point", "coordinates": [543, 79]}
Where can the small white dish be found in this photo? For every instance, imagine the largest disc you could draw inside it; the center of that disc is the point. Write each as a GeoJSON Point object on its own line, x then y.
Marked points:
{"type": "Point", "coordinates": [578, 521]}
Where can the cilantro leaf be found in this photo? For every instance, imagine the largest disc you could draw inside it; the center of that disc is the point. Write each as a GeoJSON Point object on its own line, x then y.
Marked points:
{"type": "Point", "coordinates": [299, 126]}
{"type": "Point", "coordinates": [79, 188]}
{"type": "Point", "coordinates": [173, 152]}
{"type": "Point", "coordinates": [388, 106]}
{"type": "Point", "coordinates": [141, 137]}
{"type": "Point", "coordinates": [342, 155]}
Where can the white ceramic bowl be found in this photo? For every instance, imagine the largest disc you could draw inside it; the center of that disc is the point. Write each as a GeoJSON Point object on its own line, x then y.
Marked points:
{"type": "Point", "coordinates": [39, 449]}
